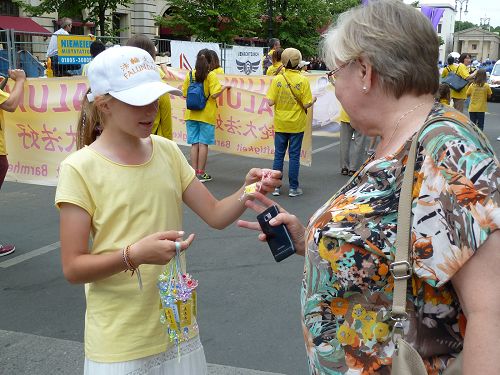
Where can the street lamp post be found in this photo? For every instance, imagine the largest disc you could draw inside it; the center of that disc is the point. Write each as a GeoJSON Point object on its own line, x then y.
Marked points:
{"type": "Point", "coordinates": [483, 22]}
{"type": "Point", "coordinates": [461, 2]}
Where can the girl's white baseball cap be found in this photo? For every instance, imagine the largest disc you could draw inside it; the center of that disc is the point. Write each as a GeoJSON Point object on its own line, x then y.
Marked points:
{"type": "Point", "coordinates": [128, 74]}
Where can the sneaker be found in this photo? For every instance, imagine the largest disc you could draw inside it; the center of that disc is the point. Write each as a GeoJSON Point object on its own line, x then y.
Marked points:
{"type": "Point", "coordinates": [295, 192]}
{"type": "Point", "coordinates": [276, 192]}
{"type": "Point", "coordinates": [6, 249]}
{"type": "Point", "coordinates": [204, 177]}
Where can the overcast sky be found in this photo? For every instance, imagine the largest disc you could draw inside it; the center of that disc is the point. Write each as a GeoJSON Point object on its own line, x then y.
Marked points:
{"type": "Point", "coordinates": [477, 9]}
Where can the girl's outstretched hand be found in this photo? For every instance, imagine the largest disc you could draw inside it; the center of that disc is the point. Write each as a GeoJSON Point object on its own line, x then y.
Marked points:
{"type": "Point", "coordinates": [268, 179]}
{"type": "Point", "coordinates": [295, 227]}
{"type": "Point", "coordinates": [158, 248]}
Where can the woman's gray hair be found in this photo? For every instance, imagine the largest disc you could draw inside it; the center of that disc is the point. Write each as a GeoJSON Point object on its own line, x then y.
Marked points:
{"type": "Point", "coordinates": [397, 39]}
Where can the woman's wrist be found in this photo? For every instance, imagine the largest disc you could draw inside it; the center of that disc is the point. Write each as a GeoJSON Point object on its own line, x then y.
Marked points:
{"type": "Point", "coordinates": [134, 256]}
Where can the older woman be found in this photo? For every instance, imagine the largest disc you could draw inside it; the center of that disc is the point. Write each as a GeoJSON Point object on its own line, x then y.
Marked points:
{"type": "Point", "coordinates": [349, 242]}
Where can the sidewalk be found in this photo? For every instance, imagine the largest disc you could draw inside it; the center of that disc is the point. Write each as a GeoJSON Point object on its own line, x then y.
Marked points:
{"type": "Point", "coordinates": [24, 354]}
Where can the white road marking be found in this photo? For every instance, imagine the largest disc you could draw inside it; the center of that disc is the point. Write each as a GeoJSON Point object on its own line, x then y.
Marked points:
{"type": "Point", "coordinates": [325, 147]}
{"type": "Point", "coordinates": [34, 253]}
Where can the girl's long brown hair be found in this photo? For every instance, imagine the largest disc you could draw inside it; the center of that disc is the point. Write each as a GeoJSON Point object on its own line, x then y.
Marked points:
{"type": "Point", "coordinates": [203, 61]}
{"type": "Point", "coordinates": [480, 78]}
{"type": "Point", "coordinates": [89, 123]}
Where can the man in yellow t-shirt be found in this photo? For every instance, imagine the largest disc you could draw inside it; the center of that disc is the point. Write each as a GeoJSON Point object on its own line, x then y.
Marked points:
{"type": "Point", "coordinates": [290, 94]}
{"type": "Point", "coordinates": [9, 103]}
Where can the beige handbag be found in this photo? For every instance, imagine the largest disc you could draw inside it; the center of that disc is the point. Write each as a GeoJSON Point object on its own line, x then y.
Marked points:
{"type": "Point", "coordinates": [406, 360]}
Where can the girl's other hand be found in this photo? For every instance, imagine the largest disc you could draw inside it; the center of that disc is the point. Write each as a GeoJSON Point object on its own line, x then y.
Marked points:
{"type": "Point", "coordinates": [158, 248]}
{"type": "Point", "coordinates": [271, 180]}
{"type": "Point", "coordinates": [293, 224]}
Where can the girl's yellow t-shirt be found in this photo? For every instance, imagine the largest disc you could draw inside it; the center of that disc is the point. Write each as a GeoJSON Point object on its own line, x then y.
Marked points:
{"type": "Point", "coordinates": [126, 203]}
{"type": "Point", "coordinates": [211, 86]}
{"type": "Point", "coordinates": [479, 97]}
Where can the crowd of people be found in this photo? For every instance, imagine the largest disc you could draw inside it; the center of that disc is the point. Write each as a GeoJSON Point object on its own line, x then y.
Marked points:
{"type": "Point", "coordinates": [349, 319]}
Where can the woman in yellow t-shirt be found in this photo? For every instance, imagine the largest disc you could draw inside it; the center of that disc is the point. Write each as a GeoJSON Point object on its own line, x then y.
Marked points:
{"type": "Point", "coordinates": [125, 191]}
{"type": "Point", "coordinates": [479, 92]}
{"type": "Point", "coordinates": [460, 70]}
{"type": "Point", "coordinates": [277, 66]}
{"type": "Point", "coordinates": [200, 124]}
{"type": "Point", "coordinates": [9, 103]}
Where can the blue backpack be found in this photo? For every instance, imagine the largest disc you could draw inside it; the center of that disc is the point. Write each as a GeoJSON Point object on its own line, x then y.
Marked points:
{"type": "Point", "coordinates": [195, 98]}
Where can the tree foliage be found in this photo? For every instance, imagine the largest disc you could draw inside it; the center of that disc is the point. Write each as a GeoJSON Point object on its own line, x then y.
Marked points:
{"type": "Point", "coordinates": [464, 25]}
{"type": "Point", "coordinates": [212, 20]}
{"type": "Point", "coordinates": [97, 9]}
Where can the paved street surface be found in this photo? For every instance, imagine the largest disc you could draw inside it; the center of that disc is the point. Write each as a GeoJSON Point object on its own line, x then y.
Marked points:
{"type": "Point", "coordinates": [249, 310]}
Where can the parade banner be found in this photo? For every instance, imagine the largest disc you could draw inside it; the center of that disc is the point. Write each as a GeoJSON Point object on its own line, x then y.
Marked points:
{"type": "Point", "coordinates": [183, 54]}
{"type": "Point", "coordinates": [42, 131]}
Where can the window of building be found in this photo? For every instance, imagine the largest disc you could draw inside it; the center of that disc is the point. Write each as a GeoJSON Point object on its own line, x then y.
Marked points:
{"type": "Point", "coordinates": [474, 46]}
{"type": "Point", "coordinates": [439, 28]}
{"type": "Point", "coordinates": [8, 8]}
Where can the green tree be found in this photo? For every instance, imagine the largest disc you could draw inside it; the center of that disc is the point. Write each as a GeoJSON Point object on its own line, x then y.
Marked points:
{"type": "Point", "coordinates": [463, 25]}
{"type": "Point", "coordinates": [98, 9]}
{"type": "Point", "coordinates": [212, 20]}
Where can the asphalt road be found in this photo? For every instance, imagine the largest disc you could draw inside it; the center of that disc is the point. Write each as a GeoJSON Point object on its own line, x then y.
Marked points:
{"type": "Point", "coordinates": [249, 310]}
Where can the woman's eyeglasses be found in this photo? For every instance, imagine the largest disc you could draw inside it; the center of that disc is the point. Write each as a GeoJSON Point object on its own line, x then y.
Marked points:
{"type": "Point", "coordinates": [331, 73]}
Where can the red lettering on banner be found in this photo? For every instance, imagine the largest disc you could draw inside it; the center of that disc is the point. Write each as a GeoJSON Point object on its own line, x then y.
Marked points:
{"type": "Point", "coordinates": [70, 133]}
{"type": "Point", "coordinates": [51, 140]}
{"type": "Point", "coordinates": [29, 136]}
{"type": "Point", "coordinates": [62, 99]}
{"type": "Point", "coordinates": [251, 130]}
{"type": "Point", "coordinates": [232, 126]}
{"type": "Point", "coordinates": [251, 109]}
{"type": "Point", "coordinates": [264, 107]}
{"type": "Point", "coordinates": [266, 132]}
{"type": "Point", "coordinates": [218, 123]}
{"type": "Point", "coordinates": [238, 100]}
{"type": "Point", "coordinates": [43, 104]}
{"type": "Point", "coordinates": [81, 90]}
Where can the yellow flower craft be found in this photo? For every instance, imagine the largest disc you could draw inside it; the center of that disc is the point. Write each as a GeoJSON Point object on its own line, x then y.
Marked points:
{"type": "Point", "coordinates": [346, 335]}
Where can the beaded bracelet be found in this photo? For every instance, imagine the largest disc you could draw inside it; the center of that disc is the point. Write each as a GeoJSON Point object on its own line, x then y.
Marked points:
{"type": "Point", "coordinates": [131, 266]}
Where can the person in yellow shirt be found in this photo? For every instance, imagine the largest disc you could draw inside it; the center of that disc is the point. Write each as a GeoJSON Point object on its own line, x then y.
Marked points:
{"type": "Point", "coordinates": [479, 92]}
{"type": "Point", "coordinates": [9, 103]}
{"type": "Point", "coordinates": [125, 191]}
{"type": "Point", "coordinates": [96, 47]}
{"type": "Point", "coordinates": [267, 60]}
{"type": "Point", "coordinates": [350, 139]}
{"type": "Point", "coordinates": [461, 70]}
{"type": "Point", "coordinates": [443, 94]}
{"type": "Point", "coordinates": [200, 124]}
{"type": "Point", "coordinates": [277, 66]}
{"type": "Point", "coordinates": [290, 94]}
{"type": "Point", "coordinates": [163, 120]}
{"type": "Point", "coordinates": [215, 63]}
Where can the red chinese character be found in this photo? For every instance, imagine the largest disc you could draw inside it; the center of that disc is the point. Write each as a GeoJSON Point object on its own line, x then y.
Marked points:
{"type": "Point", "coordinates": [29, 136]}
{"type": "Point", "coordinates": [49, 138]}
{"type": "Point", "coordinates": [232, 127]}
{"type": "Point", "coordinates": [251, 129]}
{"type": "Point", "coordinates": [266, 132]}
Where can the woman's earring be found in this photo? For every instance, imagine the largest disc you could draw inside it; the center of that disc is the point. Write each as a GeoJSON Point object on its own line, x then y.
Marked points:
{"type": "Point", "coordinates": [364, 88]}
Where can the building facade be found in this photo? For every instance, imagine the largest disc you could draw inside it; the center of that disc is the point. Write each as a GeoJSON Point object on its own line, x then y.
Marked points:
{"type": "Point", "coordinates": [481, 44]}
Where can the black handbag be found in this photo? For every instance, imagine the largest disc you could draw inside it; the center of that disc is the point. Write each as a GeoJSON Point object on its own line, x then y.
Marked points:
{"type": "Point", "coordinates": [453, 80]}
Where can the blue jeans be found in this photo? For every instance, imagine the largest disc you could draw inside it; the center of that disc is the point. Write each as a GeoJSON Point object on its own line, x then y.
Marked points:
{"type": "Point", "coordinates": [292, 141]}
{"type": "Point", "coordinates": [478, 119]}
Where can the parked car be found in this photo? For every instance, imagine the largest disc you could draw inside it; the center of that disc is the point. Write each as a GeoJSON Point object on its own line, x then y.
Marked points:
{"type": "Point", "coordinates": [494, 82]}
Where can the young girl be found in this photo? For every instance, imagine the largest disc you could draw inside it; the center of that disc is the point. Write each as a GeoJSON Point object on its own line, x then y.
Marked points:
{"type": "Point", "coordinates": [125, 190]}
{"type": "Point", "coordinates": [443, 94]}
{"type": "Point", "coordinates": [479, 92]}
{"type": "Point", "coordinates": [200, 124]}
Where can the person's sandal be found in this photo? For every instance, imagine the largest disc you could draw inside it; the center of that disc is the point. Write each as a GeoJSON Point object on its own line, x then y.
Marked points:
{"type": "Point", "coordinates": [344, 171]}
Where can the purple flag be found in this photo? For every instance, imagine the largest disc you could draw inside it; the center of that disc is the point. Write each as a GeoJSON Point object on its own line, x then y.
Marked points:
{"type": "Point", "coordinates": [433, 14]}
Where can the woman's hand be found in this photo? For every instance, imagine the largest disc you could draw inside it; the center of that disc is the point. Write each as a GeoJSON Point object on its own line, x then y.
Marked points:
{"type": "Point", "coordinates": [271, 180]}
{"type": "Point", "coordinates": [293, 224]}
{"type": "Point", "coordinates": [158, 248]}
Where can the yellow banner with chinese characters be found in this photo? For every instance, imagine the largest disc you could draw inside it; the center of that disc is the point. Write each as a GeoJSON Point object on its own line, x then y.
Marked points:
{"type": "Point", "coordinates": [42, 131]}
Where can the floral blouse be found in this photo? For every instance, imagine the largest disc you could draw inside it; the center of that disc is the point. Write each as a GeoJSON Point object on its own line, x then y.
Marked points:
{"type": "Point", "coordinates": [347, 288]}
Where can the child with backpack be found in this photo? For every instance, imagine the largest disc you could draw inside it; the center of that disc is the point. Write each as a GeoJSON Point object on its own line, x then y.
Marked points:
{"type": "Point", "coordinates": [125, 189]}
{"type": "Point", "coordinates": [479, 92]}
{"type": "Point", "coordinates": [201, 88]}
